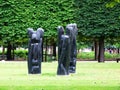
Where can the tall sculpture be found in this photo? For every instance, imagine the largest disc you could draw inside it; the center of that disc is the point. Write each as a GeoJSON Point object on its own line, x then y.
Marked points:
{"type": "Point", "coordinates": [60, 30]}
{"type": "Point", "coordinates": [71, 31]}
{"type": "Point", "coordinates": [35, 50]}
{"type": "Point", "coordinates": [63, 52]}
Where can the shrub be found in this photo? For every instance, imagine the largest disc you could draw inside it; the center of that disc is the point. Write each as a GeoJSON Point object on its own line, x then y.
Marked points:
{"type": "Point", "coordinates": [21, 53]}
{"type": "Point", "coordinates": [110, 56]}
{"type": "Point", "coordinates": [90, 55]}
{"type": "Point", "coordinates": [85, 55]}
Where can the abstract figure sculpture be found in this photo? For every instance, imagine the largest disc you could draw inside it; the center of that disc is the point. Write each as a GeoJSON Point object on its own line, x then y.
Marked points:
{"type": "Point", "coordinates": [35, 50]}
{"type": "Point", "coordinates": [67, 49]}
{"type": "Point", "coordinates": [71, 31]}
{"type": "Point", "coordinates": [63, 52]}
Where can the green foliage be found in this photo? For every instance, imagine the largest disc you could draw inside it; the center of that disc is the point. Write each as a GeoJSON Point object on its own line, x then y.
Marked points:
{"type": "Point", "coordinates": [16, 16]}
{"type": "Point", "coordinates": [95, 20]}
{"type": "Point", "coordinates": [4, 52]}
{"type": "Point", "coordinates": [18, 53]}
{"type": "Point", "coordinates": [21, 53]}
{"type": "Point", "coordinates": [83, 44]}
{"type": "Point", "coordinates": [111, 56]}
{"type": "Point", "coordinates": [112, 3]}
{"type": "Point", "coordinates": [86, 55]}
{"type": "Point", "coordinates": [11, 24]}
{"type": "Point", "coordinates": [90, 56]}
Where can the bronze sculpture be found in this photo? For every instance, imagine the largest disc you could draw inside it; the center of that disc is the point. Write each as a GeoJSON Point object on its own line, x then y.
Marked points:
{"type": "Point", "coordinates": [35, 50]}
{"type": "Point", "coordinates": [67, 49]}
{"type": "Point", "coordinates": [71, 31]}
{"type": "Point", "coordinates": [63, 52]}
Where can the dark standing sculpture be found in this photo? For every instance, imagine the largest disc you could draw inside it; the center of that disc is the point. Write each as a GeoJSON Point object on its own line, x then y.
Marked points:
{"type": "Point", "coordinates": [67, 49]}
{"type": "Point", "coordinates": [71, 31]}
{"type": "Point", "coordinates": [60, 30]}
{"type": "Point", "coordinates": [63, 52]}
{"type": "Point", "coordinates": [35, 50]}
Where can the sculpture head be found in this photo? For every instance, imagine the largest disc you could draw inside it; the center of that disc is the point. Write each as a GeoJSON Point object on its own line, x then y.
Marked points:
{"type": "Point", "coordinates": [35, 35]}
{"type": "Point", "coordinates": [60, 30]}
{"type": "Point", "coordinates": [71, 29]}
{"type": "Point", "coordinates": [40, 32]}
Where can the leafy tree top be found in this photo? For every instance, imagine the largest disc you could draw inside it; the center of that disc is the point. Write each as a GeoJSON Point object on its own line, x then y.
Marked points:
{"type": "Point", "coordinates": [95, 20]}
{"type": "Point", "coordinates": [16, 16]}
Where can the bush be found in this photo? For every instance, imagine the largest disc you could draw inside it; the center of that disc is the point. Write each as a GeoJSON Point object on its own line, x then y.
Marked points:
{"type": "Point", "coordinates": [4, 52]}
{"type": "Point", "coordinates": [90, 55]}
{"type": "Point", "coordinates": [21, 53]}
{"type": "Point", "coordinates": [111, 56]}
{"type": "Point", "coordinates": [85, 55]}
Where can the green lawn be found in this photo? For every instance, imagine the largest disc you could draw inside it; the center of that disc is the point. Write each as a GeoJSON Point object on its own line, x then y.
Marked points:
{"type": "Point", "coordinates": [88, 76]}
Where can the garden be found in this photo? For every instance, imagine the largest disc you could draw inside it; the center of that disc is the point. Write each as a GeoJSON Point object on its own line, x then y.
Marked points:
{"type": "Point", "coordinates": [85, 24]}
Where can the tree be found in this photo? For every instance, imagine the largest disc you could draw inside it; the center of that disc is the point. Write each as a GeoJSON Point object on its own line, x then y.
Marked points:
{"type": "Point", "coordinates": [9, 24]}
{"type": "Point", "coordinates": [16, 16]}
{"type": "Point", "coordinates": [98, 22]}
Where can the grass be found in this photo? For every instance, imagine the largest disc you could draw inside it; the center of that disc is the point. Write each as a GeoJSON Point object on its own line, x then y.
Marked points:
{"type": "Point", "coordinates": [88, 76]}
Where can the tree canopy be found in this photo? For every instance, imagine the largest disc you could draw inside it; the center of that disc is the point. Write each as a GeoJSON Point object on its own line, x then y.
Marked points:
{"type": "Point", "coordinates": [95, 20]}
{"type": "Point", "coordinates": [16, 16]}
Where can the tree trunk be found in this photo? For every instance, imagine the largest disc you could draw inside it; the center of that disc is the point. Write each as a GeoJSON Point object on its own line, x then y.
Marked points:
{"type": "Point", "coordinates": [9, 54]}
{"type": "Point", "coordinates": [92, 48]}
{"type": "Point", "coordinates": [46, 50]}
{"type": "Point", "coordinates": [54, 51]}
{"type": "Point", "coordinates": [118, 51]}
{"type": "Point", "coordinates": [3, 53]}
{"type": "Point", "coordinates": [13, 53]}
{"type": "Point", "coordinates": [101, 50]}
{"type": "Point", "coordinates": [42, 49]}
{"type": "Point", "coordinates": [96, 44]}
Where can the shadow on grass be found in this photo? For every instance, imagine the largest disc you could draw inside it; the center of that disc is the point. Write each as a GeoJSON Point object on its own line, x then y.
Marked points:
{"type": "Point", "coordinates": [48, 74]}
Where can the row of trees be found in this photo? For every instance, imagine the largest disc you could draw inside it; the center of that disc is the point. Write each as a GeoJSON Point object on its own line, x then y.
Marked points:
{"type": "Point", "coordinates": [98, 21]}
{"type": "Point", "coordinates": [16, 16]}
